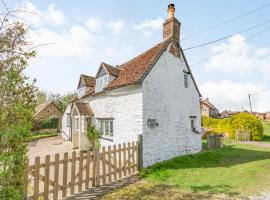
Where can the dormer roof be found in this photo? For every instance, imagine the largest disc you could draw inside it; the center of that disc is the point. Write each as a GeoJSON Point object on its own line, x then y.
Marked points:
{"type": "Point", "coordinates": [109, 69]}
{"type": "Point", "coordinates": [86, 80]}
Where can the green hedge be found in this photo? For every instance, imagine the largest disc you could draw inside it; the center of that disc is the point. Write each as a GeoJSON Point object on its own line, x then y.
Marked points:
{"type": "Point", "coordinates": [50, 123]}
{"type": "Point", "coordinates": [243, 121]}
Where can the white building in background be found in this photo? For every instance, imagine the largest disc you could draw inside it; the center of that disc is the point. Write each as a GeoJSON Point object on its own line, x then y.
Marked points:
{"type": "Point", "coordinates": [153, 94]}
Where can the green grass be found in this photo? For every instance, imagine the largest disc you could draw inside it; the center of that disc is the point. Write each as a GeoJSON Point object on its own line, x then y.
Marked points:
{"type": "Point", "coordinates": [266, 131]}
{"type": "Point", "coordinates": [37, 135]}
{"type": "Point", "coordinates": [234, 171]}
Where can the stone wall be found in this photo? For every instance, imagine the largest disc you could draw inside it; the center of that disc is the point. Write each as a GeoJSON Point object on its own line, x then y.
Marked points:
{"type": "Point", "coordinates": [166, 100]}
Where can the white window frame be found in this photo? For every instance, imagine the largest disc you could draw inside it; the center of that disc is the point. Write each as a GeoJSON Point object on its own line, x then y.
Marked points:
{"type": "Point", "coordinates": [106, 127]}
{"type": "Point", "coordinates": [101, 83]}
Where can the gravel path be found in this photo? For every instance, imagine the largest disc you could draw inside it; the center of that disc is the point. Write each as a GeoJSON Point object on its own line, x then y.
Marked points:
{"type": "Point", "coordinates": [257, 143]}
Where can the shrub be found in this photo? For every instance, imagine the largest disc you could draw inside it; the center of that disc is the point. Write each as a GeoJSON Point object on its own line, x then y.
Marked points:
{"type": "Point", "coordinates": [93, 135]}
{"type": "Point", "coordinates": [50, 123]}
{"type": "Point", "coordinates": [246, 121]}
{"type": "Point", "coordinates": [242, 121]}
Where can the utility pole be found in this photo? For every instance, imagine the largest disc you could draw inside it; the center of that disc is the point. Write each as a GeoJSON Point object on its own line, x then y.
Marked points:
{"type": "Point", "coordinates": [249, 99]}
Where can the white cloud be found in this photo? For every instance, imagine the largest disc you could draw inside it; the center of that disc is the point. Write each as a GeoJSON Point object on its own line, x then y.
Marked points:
{"type": "Point", "coordinates": [228, 95]}
{"type": "Point", "coordinates": [116, 26]}
{"type": "Point", "coordinates": [94, 24]}
{"type": "Point", "coordinates": [241, 59]}
{"type": "Point", "coordinates": [33, 16]}
{"type": "Point", "coordinates": [149, 26]}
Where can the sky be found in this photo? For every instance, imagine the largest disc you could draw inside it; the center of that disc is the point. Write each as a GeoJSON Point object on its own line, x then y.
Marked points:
{"type": "Point", "coordinates": [81, 34]}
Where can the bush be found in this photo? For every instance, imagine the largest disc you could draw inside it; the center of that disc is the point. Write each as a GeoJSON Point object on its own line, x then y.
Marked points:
{"type": "Point", "coordinates": [228, 126]}
{"type": "Point", "coordinates": [50, 123]}
{"type": "Point", "coordinates": [246, 121]}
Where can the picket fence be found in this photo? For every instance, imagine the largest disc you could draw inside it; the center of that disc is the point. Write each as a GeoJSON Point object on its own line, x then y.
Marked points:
{"type": "Point", "coordinates": [242, 135]}
{"type": "Point", "coordinates": [58, 178]}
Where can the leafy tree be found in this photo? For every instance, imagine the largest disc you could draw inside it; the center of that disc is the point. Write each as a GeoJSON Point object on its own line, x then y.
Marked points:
{"type": "Point", "coordinates": [61, 101]}
{"type": "Point", "coordinates": [17, 102]}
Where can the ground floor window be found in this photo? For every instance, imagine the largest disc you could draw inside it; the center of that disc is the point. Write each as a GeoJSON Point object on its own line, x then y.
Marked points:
{"type": "Point", "coordinates": [193, 123]}
{"type": "Point", "coordinates": [106, 127]}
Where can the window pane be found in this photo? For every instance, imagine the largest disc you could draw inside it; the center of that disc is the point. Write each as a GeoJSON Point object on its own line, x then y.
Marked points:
{"type": "Point", "coordinates": [111, 128]}
{"type": "Point", "coordinates": [107, 127]}
{"type": "Point", "coordinates": [102, 127]}
{"type": "Point", "coordinates": [186, 80]}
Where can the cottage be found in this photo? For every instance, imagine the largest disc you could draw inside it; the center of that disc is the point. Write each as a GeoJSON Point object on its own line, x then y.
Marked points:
{"type": "Point", "coordinates": [47, 110]}
{"type": "Point", "coordinates": [208, 109]}
{"type": "Point", "coordinates": [153, 94]}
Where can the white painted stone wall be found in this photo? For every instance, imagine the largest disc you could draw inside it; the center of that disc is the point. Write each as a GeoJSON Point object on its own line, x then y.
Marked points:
{"type": "Point", "coordinates": [65, 131]}
{"type": "Point", "coordinates": [124, 105]}
{"type": "Point", "coordinates": [167, 100]}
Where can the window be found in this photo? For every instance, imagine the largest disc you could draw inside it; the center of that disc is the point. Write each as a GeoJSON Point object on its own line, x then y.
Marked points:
{"type": "Point", "coordinates": [68, 120]}
{"type": "Point", "coordinates": [192, 121]}
{"type": "Point", "coordinates": [106, 127]}
{"type": "Point", "coordinates": [186, 80]}
{"type": "Point", "coordinates": [77, 122]}
{"type": "Point", "coordinates": [101, 83]}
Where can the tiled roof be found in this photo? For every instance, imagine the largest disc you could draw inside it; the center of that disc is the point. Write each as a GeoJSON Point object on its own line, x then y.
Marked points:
{"type": "Point", "coordinates": [110, 69]}
{"type": "Point", "coordinates": [134, 70]}
{"type": "Point", "coordinates": [207, 103]}
{"type": "Point", "coordinates": [88, 80]}
{"type": "Point", "coordinates": [84, 108]}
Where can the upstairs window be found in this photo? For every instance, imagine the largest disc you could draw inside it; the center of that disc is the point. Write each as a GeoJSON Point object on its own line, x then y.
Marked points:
{"type": "Point", "coordinates": [101, 83]}
{"type": "Point", "coordinates": [186, 80]}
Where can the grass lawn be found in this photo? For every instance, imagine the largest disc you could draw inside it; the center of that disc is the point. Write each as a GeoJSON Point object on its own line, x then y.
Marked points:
{"type": "Point", "coordinates": [232, 172]}
{"type": "Point", "coordinates": [41, 134]}
{"type": "Point", "coordinates": [266, 130]}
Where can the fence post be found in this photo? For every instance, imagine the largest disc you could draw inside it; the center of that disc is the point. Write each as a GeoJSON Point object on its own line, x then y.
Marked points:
{"type": "Point", "coordinates": [26, 179]}
{"type": "Point", "coordinates": [36, 178]}
{"type": "Point", "coordinates": [47, 175]}
{"type": "Point", "coordinates": [140, 151]}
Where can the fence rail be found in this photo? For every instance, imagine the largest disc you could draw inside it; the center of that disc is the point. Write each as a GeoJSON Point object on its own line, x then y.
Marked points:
{"type": "Point", "coordinates": [242, 135]}
{"type": "Point", "coordinates": [60, 177]}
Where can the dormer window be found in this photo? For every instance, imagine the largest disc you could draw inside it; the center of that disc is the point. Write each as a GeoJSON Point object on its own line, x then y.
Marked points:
{"type": "Point", "coordinates": [101, 83]}
{"type": "Point", "coordinates": [105, 75]}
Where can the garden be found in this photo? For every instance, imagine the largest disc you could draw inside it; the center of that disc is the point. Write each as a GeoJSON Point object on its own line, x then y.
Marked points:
{"type": "Point", "coordinates": [236, 171]}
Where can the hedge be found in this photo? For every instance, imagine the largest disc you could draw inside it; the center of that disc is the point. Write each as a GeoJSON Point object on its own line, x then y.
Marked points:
{"type": "Point", "coordinates": [243, 121]}
{"type": "Point", "coordinates": [50, 123]}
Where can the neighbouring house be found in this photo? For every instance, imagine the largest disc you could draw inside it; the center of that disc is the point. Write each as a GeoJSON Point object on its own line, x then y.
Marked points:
{"type": "Point", "coordinates": [208, 109]}
{"type": "Point", "coordinates": [154, 95]}
{"type": "Point", "coordinates": [259, 115]}
{"type": "Point", "coordinates": [47, 110]}
{"type": "Point", "coordinates": [228, 113]}
{"type": "Point", "coordinates": [267, 115]}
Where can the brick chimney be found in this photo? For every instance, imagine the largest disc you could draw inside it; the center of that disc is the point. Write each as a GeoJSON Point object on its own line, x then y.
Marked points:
{"type": "Point", "coordinates": [171, 27]}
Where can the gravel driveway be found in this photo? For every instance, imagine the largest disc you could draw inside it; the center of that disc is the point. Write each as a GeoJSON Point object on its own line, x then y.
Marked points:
{"type": "Point", "coordinates": [48, 146]}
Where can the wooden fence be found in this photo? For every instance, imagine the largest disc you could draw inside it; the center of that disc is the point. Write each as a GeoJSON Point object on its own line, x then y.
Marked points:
{"type": "Point", "coordinates": [214, 141]}
{"type": "Point", "coordinates": [61, 177]}
{"type": "Point", "coordinates": [242, 135]}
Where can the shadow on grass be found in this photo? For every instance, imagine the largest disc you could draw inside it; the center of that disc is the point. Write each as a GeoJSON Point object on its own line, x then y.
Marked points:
{"type": "Point", "coordinates": [162, 191]}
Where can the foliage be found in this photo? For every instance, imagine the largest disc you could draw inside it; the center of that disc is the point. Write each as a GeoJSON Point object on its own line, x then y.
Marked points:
{"type": "Point", "coordinates": [40, 135]}
{"type": "Point", "coordinates": [246, 121]}
{"type": "Point", "coordinates": [217, 125]}
{"type": "Point", "coordinates": [266, 131]}
{"type": "Point", "coordinates": [93, 135]}
{"type": "Point", "coordinates": [61, 101]}
{"type": "Point", "coordinates": [17, 105]}
{"type": "Point", "coordinates": [235, 170]}
{"type": "Point", "coordinates": [49, 123]}
{"type": "Point", "coordinates": [243, 121]}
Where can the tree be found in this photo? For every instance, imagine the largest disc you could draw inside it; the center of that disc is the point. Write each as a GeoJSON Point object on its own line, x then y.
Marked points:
{"type": "Point", "coordinates": [17, 100]}
{"type": "Point", "coordinates": [61, 101]}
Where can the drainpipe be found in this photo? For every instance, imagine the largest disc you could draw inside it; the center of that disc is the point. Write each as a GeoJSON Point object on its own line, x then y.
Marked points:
{"type": "Point", "coordinates": [70, 138]}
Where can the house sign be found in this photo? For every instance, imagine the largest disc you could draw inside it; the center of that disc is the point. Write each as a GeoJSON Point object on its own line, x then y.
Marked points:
{"type": "Point", "coordinates": [152, 123]}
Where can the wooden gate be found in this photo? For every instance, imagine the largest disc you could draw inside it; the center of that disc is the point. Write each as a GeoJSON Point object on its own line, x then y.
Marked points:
{"type": "Point", "coordinates": [60, 177]}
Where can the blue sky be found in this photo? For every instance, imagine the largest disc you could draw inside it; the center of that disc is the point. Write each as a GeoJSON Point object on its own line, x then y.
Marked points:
{"type": "Point", "coordinates": [85, 33]}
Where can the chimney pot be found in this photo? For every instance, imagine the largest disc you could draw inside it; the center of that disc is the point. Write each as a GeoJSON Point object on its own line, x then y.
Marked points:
{"type": "Point", "coordinates": [171, 10]}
